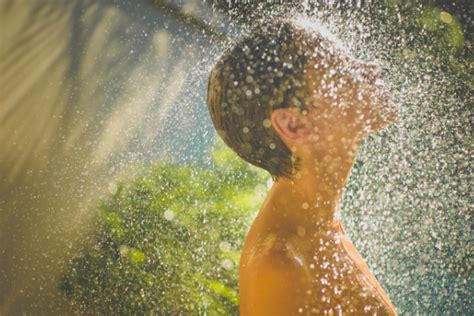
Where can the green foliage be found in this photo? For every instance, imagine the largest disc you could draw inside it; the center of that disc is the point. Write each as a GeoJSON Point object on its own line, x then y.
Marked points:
{"type": "Point", "coordinates": [168, 242]}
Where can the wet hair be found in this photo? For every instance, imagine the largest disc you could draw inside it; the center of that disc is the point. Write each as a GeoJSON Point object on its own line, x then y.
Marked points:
{"type": "Point", "coordinates": [256, 76]}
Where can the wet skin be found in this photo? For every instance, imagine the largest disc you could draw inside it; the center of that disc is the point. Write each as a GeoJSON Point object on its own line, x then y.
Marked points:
{"type": "Point", "coordinates": [297, 259]}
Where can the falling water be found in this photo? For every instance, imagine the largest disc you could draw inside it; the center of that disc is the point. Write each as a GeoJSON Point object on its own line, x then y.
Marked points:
{"type": "Point", "coordinates": [94, 87]}
{"type": "Point", "coordinates": [408, 197]}
{"type": "Point", "coordinates": [407, 205]}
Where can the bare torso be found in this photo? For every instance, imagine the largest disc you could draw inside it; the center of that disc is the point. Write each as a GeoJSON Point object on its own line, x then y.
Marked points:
{"type": "Point", "coordinates": [288, 270]}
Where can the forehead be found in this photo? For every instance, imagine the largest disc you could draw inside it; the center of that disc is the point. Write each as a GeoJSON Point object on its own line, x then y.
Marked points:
{"type": "Point", "coordinates": [328, 75]}
{"type": "Point", "coordinates": [329, 61]}
{"type": "Point", "coordinates": [323, 67]}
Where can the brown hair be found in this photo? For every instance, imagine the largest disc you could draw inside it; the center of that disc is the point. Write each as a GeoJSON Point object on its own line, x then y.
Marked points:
{"type": "Point", "coordinates": [250, 80]}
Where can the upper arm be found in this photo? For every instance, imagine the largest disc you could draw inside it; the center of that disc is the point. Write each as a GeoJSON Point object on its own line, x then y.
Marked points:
{"type": "Point", "coordinates": [271, 285]}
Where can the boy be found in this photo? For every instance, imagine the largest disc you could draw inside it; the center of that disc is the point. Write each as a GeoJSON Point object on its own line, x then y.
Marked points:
{"type": "Point", "coordinates": [287, 100]}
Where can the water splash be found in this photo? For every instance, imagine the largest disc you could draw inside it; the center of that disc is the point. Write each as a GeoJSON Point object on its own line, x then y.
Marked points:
{"type": "Point", "coordinates": [407, 204]}
{"type": "Point", "coordinates": [414, 230]}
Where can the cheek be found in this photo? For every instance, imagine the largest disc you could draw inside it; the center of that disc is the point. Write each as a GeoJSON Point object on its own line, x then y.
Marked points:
{"type": "Point", "coordinates": [354, 104]}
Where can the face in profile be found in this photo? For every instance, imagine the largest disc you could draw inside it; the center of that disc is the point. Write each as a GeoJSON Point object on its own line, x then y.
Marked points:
{"type": "Point", "coordinates": [346, 97]}
{"type": "Point", "coordinates": [372, 107]}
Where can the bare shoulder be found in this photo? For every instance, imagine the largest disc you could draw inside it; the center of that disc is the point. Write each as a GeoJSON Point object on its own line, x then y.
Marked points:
{"type": "Point", "coordinates": [271, 283]}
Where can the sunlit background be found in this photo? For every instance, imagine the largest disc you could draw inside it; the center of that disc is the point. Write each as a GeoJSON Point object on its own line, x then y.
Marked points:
{"type": "Point", "coordinates": [115, 197]}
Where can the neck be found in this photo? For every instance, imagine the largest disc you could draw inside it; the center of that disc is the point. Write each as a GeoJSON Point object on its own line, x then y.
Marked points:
{"type": "Point", "coordinates": [312, 198]}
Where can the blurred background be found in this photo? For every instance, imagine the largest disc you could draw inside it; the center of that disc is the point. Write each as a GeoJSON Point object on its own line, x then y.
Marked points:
{"type": "Point", "coordinates": [102, 105]}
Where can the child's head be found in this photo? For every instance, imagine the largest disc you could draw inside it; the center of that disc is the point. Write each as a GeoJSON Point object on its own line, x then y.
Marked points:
{"type": "Point", "coordinates": [283, 66]}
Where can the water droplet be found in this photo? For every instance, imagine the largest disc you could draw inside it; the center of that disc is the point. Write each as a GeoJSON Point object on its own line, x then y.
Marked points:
{"type": "Point", "coordinates": [224, 246]}
{"type": "Point", "coordinates": [227, 264]}
{"type": "Point", "coordinates": [301, 231]}
{"type": "Point", "coordinates": [168, 215]}
{"type": "Point", "coordinates": [446, 17]}
{"type": "Point", "coordinates": [267, 123]}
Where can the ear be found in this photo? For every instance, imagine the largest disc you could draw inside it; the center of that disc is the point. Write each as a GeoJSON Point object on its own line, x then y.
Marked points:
{"type": "Point", "coordinates": [290, 124]}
